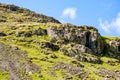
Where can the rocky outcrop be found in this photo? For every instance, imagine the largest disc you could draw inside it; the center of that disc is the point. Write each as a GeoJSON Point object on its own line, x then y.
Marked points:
{"type": "Point", "coordinates": [16, 62]}
{"type": "Point", "coordinates": [80, 52]}
{"type": "Point", "coordinates": [73, 49]}
{"type": "Point", "coordinates": [84, 35]}
{"type": "Point", "coordinates": [114, 49]}
{"type": "Point", "coordinates": [115, 46]}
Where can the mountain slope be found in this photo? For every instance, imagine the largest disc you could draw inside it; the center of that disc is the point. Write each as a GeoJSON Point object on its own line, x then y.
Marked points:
{"type": "Point", "coordinates": [12, 13]}
{"type": "Point", "coordinates": [40, 48]}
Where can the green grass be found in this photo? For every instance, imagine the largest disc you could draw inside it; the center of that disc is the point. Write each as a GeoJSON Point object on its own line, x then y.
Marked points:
{"type": "Point", "coordinates": [34, 52]}
{"type": "Point", "coordinates": [4, 75]}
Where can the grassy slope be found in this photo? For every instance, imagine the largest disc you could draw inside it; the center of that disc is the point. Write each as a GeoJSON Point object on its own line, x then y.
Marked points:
{"type": "Point", "coordinates": [34, 52]}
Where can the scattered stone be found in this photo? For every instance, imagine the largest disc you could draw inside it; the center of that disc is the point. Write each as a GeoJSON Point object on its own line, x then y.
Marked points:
{"type": "Point", "coordinates": [109, 74]}
{"type": "Point", "coordinates": [40, 32]}
{"type": "Point", "coordinates": [88, 58]}
{"type": "Point", "coordinates": [46, 51]}
{"type": "Point", "coordinates": [49, 45]}
{"type": "Point", "coordinates": [16, 63]}
{"type": "Point", "coordinates": [1, 20]}
{"type": "Point", "coordinates": [112, 63]}
{"type": "Point", "coordinates": [78, 64]}
{"type": "Point", "coordinates": [27, 34]}
{"type": "Point", "coordinates": [53, 56]}
{"type": "Point", "coordinates": [67, 77]}
{"type": "Point", "coordinates": [76, 71]}
{"type": "Point", "coordinates": [15, 48]}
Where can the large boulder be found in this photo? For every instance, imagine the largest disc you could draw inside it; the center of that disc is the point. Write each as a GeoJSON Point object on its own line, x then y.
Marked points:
{"type": "Point", "coordinates": [115, 46]}
{"type": "Point", "coordinates": [84, 35]}
{"type": "Point", "coordinates": [114, 49]}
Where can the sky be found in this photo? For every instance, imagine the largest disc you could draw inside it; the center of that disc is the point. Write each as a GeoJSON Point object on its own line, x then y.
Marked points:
{"type": "Point", "coordinates": [102, 14]}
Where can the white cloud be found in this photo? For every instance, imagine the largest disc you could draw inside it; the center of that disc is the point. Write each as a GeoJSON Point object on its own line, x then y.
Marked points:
{"type": "Point", "coordinates": [111, 27]}
{"type": "Point", "coordinates": [69, 13]}
{"type": "Point", "coordinates": [104, 25]}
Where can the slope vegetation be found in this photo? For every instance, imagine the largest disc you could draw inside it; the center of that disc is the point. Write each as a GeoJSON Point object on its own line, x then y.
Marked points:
{"type": "Point", "coordinates": [36, 47]}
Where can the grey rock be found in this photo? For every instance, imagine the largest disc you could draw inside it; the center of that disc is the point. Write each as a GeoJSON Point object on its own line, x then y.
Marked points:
{"type": "Point", "coordinates": [73, 70]}
{"type": "Point", "coordinates": [109, 74]}
{"type": "Point", "coordinates": [114, 49]}
{"type": "Point", "coordinates": [86, 36]}
{"type": "Point", "coordinates": [16, 63]}
{"type": "Point", "coordinates": [115, 46]}
{"type": "Point", "coordinates": [80, 52]}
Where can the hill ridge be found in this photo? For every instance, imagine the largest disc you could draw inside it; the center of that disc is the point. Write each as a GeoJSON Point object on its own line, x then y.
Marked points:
{"type": "Point", "coordinates": [26, 12]}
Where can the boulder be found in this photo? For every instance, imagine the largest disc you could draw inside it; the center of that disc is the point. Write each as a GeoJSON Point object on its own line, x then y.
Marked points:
{"type": "Point", "coordinates": [84, 35]}
{"type": "Point", "coordinates": [80, 52]}
{"type": "Point", "coordinates": [114, 46]}
{"type": "Point", "coordinates": [74, 49]}
{"type": "Point", "coordinates": [114, 49]}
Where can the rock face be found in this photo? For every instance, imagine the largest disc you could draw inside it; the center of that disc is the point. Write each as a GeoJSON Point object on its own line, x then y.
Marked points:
{"type": "Point", "coordinates": [114, 49]}
{"type": "Point", "coordinates": [115, 46]}
{"type": "Point", "coordinates": [80, 52]}
{"type": "Point", "coordinates": [84, 35]}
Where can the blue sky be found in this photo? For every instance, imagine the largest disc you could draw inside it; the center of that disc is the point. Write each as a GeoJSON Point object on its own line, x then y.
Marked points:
{"type": "Point", "coordinates": [102, 14]}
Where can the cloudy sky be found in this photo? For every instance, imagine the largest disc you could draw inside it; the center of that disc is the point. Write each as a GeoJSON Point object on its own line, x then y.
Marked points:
{"type": "Point", "coordinates": [102, 14]}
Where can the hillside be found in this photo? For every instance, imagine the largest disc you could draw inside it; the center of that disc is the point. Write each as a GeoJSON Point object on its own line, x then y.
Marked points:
{"type": "Point", "coordinates": [12, 13]}
{"type": "Point", "coordinates": [37, 47]}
